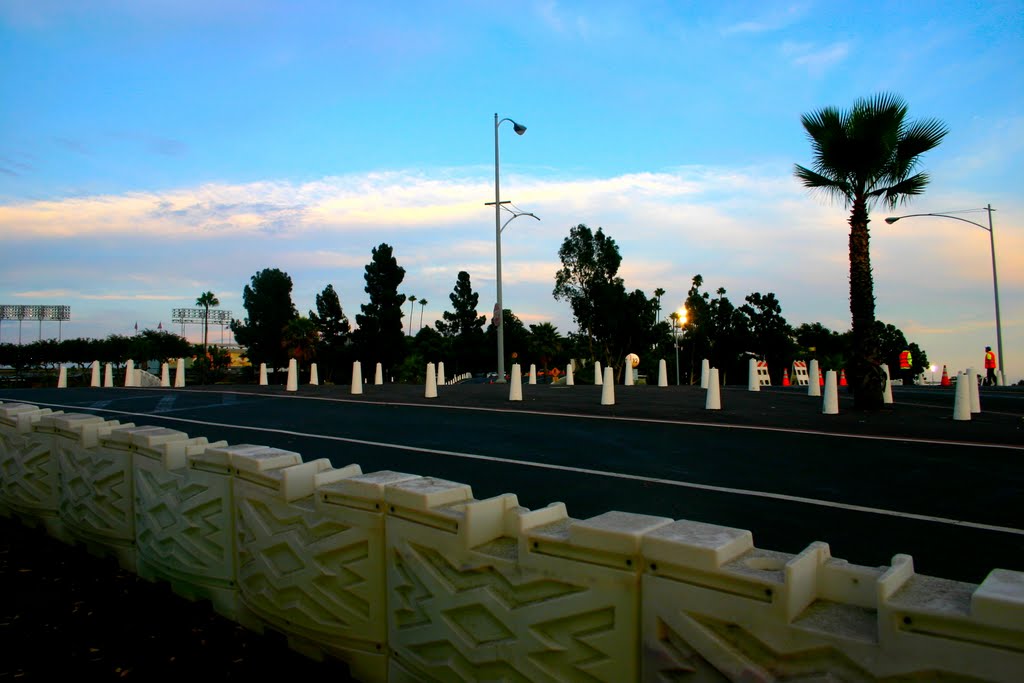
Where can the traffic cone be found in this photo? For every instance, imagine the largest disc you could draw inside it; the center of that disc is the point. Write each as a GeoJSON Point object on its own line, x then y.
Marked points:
{"type": "Point", "coordinates": [842, 378]}
{"type": "Point", "coordinates": [821, 378]}
{"type": "Point", "coordinates": [785, 377]}
{"type": "Point", "coordinates": [945, 377]}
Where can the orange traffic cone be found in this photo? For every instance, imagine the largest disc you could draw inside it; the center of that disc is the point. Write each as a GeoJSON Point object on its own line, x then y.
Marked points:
{"type": "Point", "coordinates": [785, 377]}
{"type": "Point", "coordinates": [821, 378]}
{"type": "Point", "coordinates": [945, 377]}
{"type": "Point", "coordinates": [842, 378]}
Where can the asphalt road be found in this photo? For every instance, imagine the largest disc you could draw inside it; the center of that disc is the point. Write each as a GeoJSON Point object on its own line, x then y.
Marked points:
{"type": "Point", "coordinates": [907, 479]}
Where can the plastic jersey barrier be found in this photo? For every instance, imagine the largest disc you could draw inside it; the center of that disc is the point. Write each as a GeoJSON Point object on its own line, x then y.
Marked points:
{"type": "Point", "coordinates": [409, 578]}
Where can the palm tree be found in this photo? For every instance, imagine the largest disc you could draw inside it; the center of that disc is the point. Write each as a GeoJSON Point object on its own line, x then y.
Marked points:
{"type": "Point", "coordinates": [423, 304]}
{"type": "Point", "coordinates": [865, 156]}
{"type": "Point", "coordinates": [412, 300]}
{"type": "Point", "coordinates": [545, 341]}
{"type": "Point", "coordinates": [658, 293]}
{"type": "Point", "coordinates": [206, 300]}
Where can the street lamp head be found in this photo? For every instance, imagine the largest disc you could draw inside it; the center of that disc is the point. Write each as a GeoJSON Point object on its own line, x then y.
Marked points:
{"type": "Point", "coordinates": [518, 128]}
{"type": "Point", "coordinates": [892, 219]}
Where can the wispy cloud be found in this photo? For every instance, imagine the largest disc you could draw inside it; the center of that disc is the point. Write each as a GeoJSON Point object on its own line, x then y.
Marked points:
{"type": "Point", "coordinates": [406, 201]}
{"type": "Point", "coordinates": [768, 21]}
{"type": "Point", "coordinates": [72, 294]}
{"type": "Point", "coordinates": [814, 58]}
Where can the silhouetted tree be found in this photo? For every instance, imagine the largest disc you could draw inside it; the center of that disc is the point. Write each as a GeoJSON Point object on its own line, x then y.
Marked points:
{"type": "Point", "coordinates": [268, 303]}
{"type": "Point", "coordinates": [380, 336]}
{"type": "Point", "coordinates": [864, 156]}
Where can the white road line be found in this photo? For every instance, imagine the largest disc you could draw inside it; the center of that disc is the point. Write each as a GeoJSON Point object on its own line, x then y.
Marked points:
{"type": "Point", "coordinates": [584, 470]}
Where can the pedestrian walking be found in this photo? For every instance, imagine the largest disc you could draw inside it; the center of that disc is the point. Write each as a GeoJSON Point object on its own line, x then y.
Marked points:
{"type": "Point", "coordinates": [990, 367]}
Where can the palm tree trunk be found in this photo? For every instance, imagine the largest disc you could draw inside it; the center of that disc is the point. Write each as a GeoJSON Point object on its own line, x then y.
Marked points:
{"type": "Point", "coordinates": [864, 373]}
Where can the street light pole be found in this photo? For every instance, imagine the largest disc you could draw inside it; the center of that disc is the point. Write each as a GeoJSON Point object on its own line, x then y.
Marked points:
{"type": "Point", "coordinates": [519, 129]}
{"type": "Point", "coordinates": [675, 337]}
{"type": "Point", "coordinates": [995, 277]}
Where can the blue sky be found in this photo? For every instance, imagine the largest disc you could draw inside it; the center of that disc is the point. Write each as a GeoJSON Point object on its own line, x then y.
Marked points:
{"type": "Point", "coordinates": [152, 151]}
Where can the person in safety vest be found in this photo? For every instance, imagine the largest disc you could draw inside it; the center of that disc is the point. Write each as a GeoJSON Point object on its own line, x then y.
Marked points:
{"type": "Point", "coordinates": [905, 367]}
{"type": "Point", "coordinates": [990, 367]}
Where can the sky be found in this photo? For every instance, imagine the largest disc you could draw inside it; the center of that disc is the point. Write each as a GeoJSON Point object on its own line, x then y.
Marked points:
{"type": "Point", "coordinates": [152, 151]}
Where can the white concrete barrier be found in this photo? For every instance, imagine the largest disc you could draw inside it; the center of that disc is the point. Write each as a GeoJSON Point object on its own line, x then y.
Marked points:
{"type": "Point", "coordinates": [410, 578]}
{"type": "Point", "coordinates": [569, 381]}
{"type": "Point", "coordinates": [314, 375]}
{"type": "Point", "coordinates": [662, 373]}
{"type": "Point", "coordinates": [378, 375]}
{"type": "Point", "coordinates": [887, 394]}
{"type": "Point", "coordinates": [430, 389]}
{"type": "Point", "coordinates": [263, 375]}
{"type": "Point", "coordinates": [515, 388]}
{"type": "Point", "coordinates": [962, 398]}
{"type": "Point", "coordinates": [713, 395]}
{"type": "Point", "coordinates": [814, 379]}
{"type": "Point", "coordinates": [705, 372]}
{"type": "Point", "coordinates": [108, 376]}
{"type": "Point", "coordinates": [129, 373]}
{"type": "Point", "coordinates": [179, 374]}
{"type": "Point", "coordinates": [62, 378]}
{"type": "Point", "coordinates": [356, 387]}
{"type": "Point", "coordinates": [608, 388]}
{"type": "Point", "coordinates": [94, 380]}
{"type": "Point", "coordinates": [165, 375]}
{"type": "Point", "coordinates": [598, 375]}
{"type": "Point", "coordinates": [293, 375]}
{"type": "Point", "coordinates": [830, 404]}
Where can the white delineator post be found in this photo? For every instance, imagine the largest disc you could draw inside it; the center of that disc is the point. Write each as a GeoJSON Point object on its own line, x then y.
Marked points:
{"type": "Point", "coordinates": [129, 373]}
{"type": "Point", "coordinates": [179, 374]}
{"type": "Point", "coordinates": [830, 404]}
{"type": "Point", "coordinates": [813, 375]}
{"type": "Point", "coordinates": [95, 380]}
{"type": "Point", "coordinates": [62, 378]}
{"type": "Point", "coordinates": [597, 372]}
{"type": "Point", "coordinates": [962, 398]}
{"type": "Point", "coordinates": [713, 397]}
{"type": "Point", "coordinates": [357, 378]}
{"type": "Point", "coordinates": [753, 383]}
{"type": "Point", "coordinates": [662, 373]}
{"type": "Point", "coordinates": [378, 375]}
{"type": "Point", "coordinates": [533, 373]}
{"type": "Point", "coordinates": [263, 375]}
{"type": "Point", "coordinates": [314, 377]}
{"type": "Point", "coordinates": [705, 369]}
{"type": "Point", "coordinates": [515, 388]}
{"type": "Point", "coordinates": [608, 388]}
{"type": "Point", "coordinates": [165, 375]}
{"type": "Point", "coordinates": [430, 391]}
{"type": "Point", "coordinates": [293, 375]}
{"type": "Point", "coordinates": [887, 394]}
{"type": "Point", "coordinates": [568, 375]}
{"type": "Point", "coordinates": [972, 375]}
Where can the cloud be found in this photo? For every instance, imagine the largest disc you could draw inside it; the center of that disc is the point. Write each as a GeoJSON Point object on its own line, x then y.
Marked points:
{"type": "Point", "coordinates": [815, 59]}
{"type": "Point", "coordinates": [396, 200]}
{"type": "Point", "coordinates": [72, 294]}
{"type": "Point", "coordinates": [772, 21]}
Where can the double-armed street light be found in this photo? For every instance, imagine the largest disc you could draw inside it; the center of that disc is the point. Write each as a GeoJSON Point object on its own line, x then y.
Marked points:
{"type": "Point", "coordinates": [995, 279]}
{"type": "Point", "coordinates": [498, 227]}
